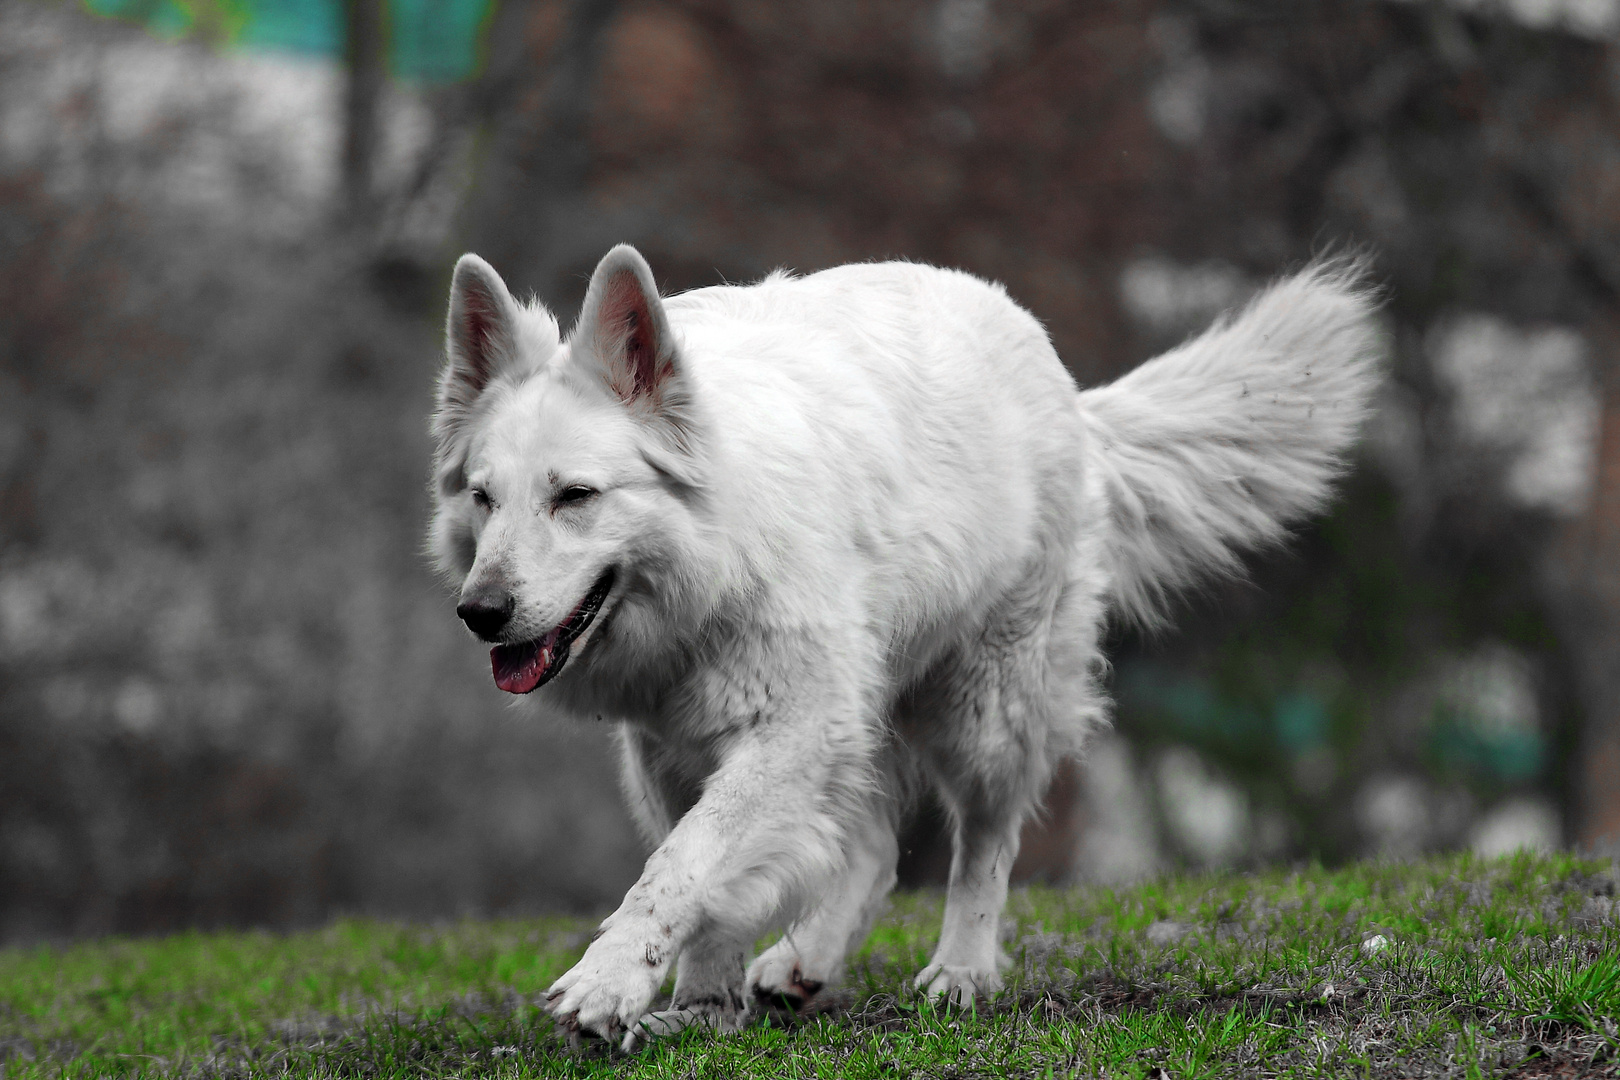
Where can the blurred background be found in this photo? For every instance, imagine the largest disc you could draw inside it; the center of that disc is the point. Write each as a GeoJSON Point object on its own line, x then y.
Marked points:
{"type": "Point", "coordinates": [232, 693]}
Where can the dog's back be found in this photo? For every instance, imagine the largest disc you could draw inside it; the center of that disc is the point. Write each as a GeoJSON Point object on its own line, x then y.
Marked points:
{"type": "Point", "coordinates": [913, 427]}
{"type": "Point", "coordinates": [895, 433]}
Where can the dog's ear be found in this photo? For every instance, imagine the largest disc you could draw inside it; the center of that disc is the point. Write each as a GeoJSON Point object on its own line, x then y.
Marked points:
{"type": "Point", "coordinates": [624, 327]}
{"type": "Point", "coordinates": [480, 332]}
{"type": "Point", "coordinates": [624, 333]}
{"type": "Point", "coordinates": [487, 333]}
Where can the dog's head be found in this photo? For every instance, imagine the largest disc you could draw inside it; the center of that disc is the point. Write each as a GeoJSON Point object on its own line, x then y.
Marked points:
{"type": "Point", "coordinates": [559, 463]}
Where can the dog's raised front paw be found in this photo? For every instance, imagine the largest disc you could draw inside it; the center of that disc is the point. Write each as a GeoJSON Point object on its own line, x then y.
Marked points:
{"type": "Point", "coordinates": [958, 985]}
{"type": "Point", "coordinates": [612, 985]}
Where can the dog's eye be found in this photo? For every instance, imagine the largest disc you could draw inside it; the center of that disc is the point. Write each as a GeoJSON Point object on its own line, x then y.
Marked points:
{"type": "Point", "coordinates": [480, 498]}
{"type": "Point", "coordinates": [574, 493]}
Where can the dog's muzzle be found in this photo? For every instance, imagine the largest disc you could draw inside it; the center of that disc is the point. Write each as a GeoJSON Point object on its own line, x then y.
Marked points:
{"type": "Point", "coordinates": [529, 665]}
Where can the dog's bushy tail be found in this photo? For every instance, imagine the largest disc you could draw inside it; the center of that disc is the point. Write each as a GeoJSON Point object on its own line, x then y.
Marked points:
{"type": "Point", "coordinates": [1217, 445]}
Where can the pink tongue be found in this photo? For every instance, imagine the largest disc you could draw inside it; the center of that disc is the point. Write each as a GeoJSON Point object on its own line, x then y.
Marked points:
{"type": "Point", "coordinates": [519, 668]}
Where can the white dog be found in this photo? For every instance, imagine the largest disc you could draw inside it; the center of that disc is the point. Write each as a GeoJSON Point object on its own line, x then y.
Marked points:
{"type": "Point", "coordinates": [812, 542]}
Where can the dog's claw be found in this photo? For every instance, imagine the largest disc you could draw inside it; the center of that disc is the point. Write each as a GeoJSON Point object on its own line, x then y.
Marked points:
{"type": "Point", "coordinates": [958, 986]}
{"type": "Point", "coordinates": [610, 985]}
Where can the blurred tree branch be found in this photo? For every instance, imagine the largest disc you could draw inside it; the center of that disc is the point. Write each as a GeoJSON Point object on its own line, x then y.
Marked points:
{"type": "Point", "coordinates": [532, 177]}
{"type": "Point", "coordinates": [365, 58]}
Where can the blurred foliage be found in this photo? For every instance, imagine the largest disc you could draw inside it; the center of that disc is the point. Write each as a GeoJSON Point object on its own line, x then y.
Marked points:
{"type": "Point", "coordinates": [1320, 651]}
{"type": "Point", "coordinates": [230, 691]}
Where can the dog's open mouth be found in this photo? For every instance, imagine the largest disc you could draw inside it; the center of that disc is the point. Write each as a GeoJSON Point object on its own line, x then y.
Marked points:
{"type": "Point", "coordinates": [531, 664]}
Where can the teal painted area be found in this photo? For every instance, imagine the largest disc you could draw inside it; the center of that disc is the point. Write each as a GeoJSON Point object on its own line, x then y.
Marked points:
{"type": "Point", "coordinates": [437, 40]}
{"type": "Point", "coordinates": [1301, 722]}
{"type": "Point", "coordinates": [1297, 721]}
{"type": "Point", "coordinates": [1515, 757]}
{"type": "Point", "coordinates": [429, 40]}
{"type": "Point", "coordinates": [310, 27]}
{"type": "Point", "coordinates": [165, 18]}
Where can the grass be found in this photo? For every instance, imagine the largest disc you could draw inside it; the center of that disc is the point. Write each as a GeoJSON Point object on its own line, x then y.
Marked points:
{"type": "Point", "coordinates": [1447, 967]}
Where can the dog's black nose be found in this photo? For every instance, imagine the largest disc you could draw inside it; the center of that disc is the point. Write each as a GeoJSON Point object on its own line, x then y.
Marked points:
{"type": "Point", "coordinates": [486, 610]}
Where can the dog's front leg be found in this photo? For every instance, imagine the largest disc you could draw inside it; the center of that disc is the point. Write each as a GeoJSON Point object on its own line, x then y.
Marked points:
{"type": "Point", "coordinates": [809, 959]}
{"type": "Point", "coordinates": [768, 827]}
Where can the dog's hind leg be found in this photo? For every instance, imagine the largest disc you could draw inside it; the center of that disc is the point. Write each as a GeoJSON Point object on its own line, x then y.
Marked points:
{"type": "Point", "coordinates": [809, 959]}
{"type": "Point", "coordinates": [983, 728]}
{"type": "Point", "coordinates": [968, 960]}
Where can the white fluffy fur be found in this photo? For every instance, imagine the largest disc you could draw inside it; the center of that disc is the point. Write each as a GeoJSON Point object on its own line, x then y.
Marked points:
{"type": "Point", "coordinates": [866, 532]}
